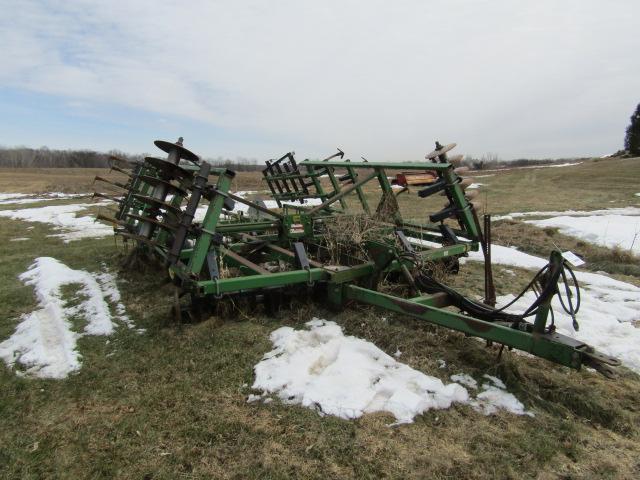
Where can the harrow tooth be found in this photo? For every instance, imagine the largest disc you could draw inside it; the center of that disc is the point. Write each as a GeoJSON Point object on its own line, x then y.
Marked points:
{"type": "Point", "coordinates": [156, 203]}
{"type": "Point", "coordinates": [107, 197]}
{"type": "Point", "coordinates": [112, 220]}
{"type": "Point", "coordinates": [110, 182]}
{"type": "Point", "coordinates": [155, 221]}
{"type": "Point", "coordinates": [113, 160]}
{"type": "Point", "coordinates": [139, 238]}
{"type": "Point", "coordinates": [114, 168]}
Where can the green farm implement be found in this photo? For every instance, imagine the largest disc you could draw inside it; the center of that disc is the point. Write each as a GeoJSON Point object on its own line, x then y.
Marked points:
{"type": "Point", "coordinates": [332, 227]}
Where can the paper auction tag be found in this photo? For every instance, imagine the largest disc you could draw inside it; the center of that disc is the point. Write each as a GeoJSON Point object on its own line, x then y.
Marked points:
{"type": "Point", "coordinates": [573, 259]}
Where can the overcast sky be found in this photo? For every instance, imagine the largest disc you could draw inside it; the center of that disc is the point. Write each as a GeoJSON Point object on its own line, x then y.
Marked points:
{"type": "Point", "coordinates": [545, 78]}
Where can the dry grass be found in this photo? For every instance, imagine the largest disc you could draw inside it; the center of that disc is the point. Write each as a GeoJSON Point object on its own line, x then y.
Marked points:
{"type": "Point", "coordinates": [80, 180]}
{"type": "Point", "coordinates": [43, 180]}
{"type": "Point", "coordinates": [171, 403]}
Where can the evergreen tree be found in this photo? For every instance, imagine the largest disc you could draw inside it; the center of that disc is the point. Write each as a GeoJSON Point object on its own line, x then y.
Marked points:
{"type": "Point", "coordinates": [632, 138]}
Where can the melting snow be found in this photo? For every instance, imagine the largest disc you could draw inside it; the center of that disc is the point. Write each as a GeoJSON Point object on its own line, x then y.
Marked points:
{"type": "Point", "coordinates": [607, 314]}
{"type": "Point", "coordinates": [44, 342]}
{"type": "Point", "coordinates": [613, 227]}
{"type": "Point", "coordinates": [10, 196]}
{"type": "Point", "coordinates": [494, 397]}
{"type": "Point", "coordinates": [64, 219]}
{"type": "Point", "coordinates": [559, 165]}
{"type": "Point", "coordinates": [621, 231]}
{"type": "Point", "coordinates": [464, 379]}
{"type": "Point", "coordinates": [270, 204]}
{"type": "Point", "coordinates": [633, 211]}
{"type": "Point", "coordinates": [24, 198]}
{"type": "Point", "coordinates": [347, 377]}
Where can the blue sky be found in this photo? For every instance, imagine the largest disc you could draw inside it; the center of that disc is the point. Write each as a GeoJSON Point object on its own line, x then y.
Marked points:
{"type": "Point", "coordinates": [379, 79]}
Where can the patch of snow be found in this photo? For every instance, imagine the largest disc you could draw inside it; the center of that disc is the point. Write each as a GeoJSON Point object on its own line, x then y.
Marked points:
{"type": "Point", "coordinates": [559, 165]}
{"type": "Point", "coordinates": [11, 196]}
{"type": "Point", "coordinates": [637, 194]}
{"type": "Point", "coordinates": [307, 202]}
{"type": "Point", "coordinates": [19, 239]}
{"type": "Point", "coordinates": [345, 376]}
{"type": "Point", "coordinates": [493, 398]}
{"type": "Point", "coordinates": [110, 290]}
{"type": "Point", "coordinates": [622, 231]}
{"type": "Point", "coordinates": [441, 363]}
{"type": "Point", "coordinates": [25, 198]}
{"type": "Point", "coordinates": [495, 380]}
{"type": "Point", "coordinates": [632, 211]}
{"type": "Point", "coordinates": [474, 186]}
{"type": "Point", "coordinates": [64, 219]}
{"type": "Point", "coordinates": [270, 204]}
{"type": "Point", "coordinates": [398, 353]}
{"type": "Point", "coordinates": [465, 379]}
{"type": "Point", "coordinates": [44, 342]}
{"type": "Point", "coordinates": [607, 314]}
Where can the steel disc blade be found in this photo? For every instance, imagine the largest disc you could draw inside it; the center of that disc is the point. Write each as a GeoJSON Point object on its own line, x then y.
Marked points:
{"type": "Point", "coordinates": [455, 159]}
{"type": "Point", "coordinates": [167, 169]}
{"type": "Point", "coordinates": [466, 182]}
{"type": "Point", "coordinates": [182, 152]}
{"type": "Point", "coordinates": [154, 202]}
{"type": "Point", "coordinates": [155, 181]}
{"type": "Point", "coordinates": [138, 238]}
{"type": "Point", "coordinates": [437, 153]}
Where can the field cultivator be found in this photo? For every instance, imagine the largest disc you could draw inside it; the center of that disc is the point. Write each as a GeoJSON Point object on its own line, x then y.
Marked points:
{"type": "Point", "coordinates": [180, 212]}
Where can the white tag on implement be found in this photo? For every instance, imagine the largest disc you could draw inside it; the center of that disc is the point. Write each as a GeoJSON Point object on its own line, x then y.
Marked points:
{"type": "Point", "coordinates": [573, 259]}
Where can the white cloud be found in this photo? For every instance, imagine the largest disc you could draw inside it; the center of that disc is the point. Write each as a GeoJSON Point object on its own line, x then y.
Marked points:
{"type": "Point", "coordinates": [382, 79]}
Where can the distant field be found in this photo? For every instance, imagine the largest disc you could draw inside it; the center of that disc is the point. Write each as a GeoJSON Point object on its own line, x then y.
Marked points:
{"type": "Point", "coordinates": [594, 184]}
{"type": "Point", "coordinates": [172, 402]}
{"type": "Point", "coordinates": [79, 180]}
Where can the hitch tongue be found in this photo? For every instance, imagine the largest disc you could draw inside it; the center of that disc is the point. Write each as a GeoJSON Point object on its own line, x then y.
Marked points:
{"type": "Point", "coordinates": [600, 362]}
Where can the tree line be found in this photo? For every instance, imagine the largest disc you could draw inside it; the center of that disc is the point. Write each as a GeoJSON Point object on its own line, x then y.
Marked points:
{"type": "Point", "coordinates": [43, 157]}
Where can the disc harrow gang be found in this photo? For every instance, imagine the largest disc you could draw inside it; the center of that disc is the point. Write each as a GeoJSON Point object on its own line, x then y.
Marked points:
{"type": "Point", "coordinates": [179, 211]}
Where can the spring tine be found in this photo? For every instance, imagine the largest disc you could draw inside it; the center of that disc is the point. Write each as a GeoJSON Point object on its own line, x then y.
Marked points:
{"type": "Point", "coordinates": [107, 197]}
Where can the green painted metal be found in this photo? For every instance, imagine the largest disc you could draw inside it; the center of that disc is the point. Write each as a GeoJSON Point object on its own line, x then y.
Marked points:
{"type": "Point", "coordinates": [383, 165]}
{"type": "Point", "coordinates": [553, 347]}
{"type": "Point", "coordinates": [336, 187]}
{"type": "Point", "coordinates": [255, 247]}
{"type": "Point", "coordinates": [209, 224]}
{"type": "Point", "coordinates": [361, 196]}
{"type": "Point", "coordinates": [465, 215]}
{"type": "Point", "coordinates": [254, 282]}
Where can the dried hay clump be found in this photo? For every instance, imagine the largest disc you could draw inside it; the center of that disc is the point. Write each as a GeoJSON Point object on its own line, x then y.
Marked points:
{"type": "Point", "coordinates": [344, 236]}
